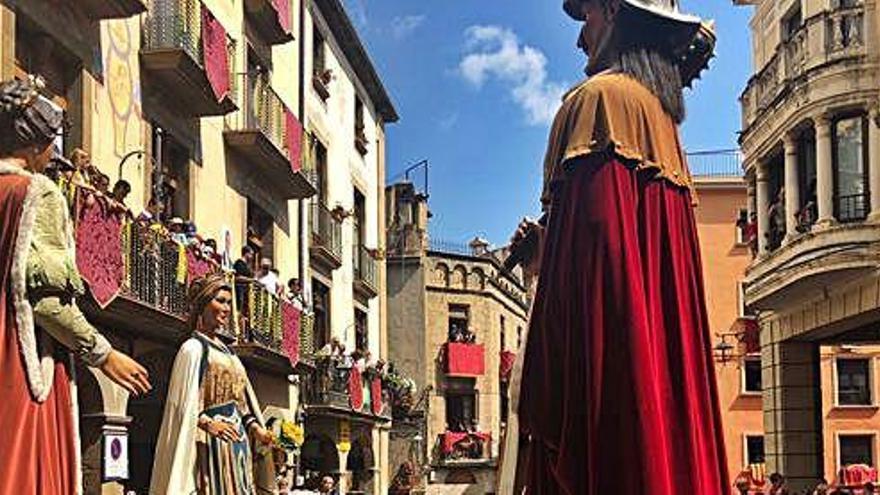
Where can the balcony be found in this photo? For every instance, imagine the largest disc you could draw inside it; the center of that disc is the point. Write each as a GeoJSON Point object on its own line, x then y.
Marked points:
{"type": "Point", "coordinates": [822, 44]}
{"type": "Point", "coordinates": [464, 360]}
{"type": "Point", "coordinates": [326, 247]}
{"type": "Point", "coordinates": [338, 389]}
{"type": "Point", "coordinates": [112, 9]}
{"type": "Point", "coordinates": [263, 321]}
{"type": "Point", "coordinates": [137, 275]}
{"type": "Point", "coordinates": [811, 262]}
{"type": "Point", "coordinates": [174, 63]}
{"type": "Point", "coordinates": [464, 448]}
{"type": "Point", "coordinates": [271, 18]}
{"type": "Point", "coordinates": [365, 267]}
{"type": "Point", "coordinates": [266, 135]}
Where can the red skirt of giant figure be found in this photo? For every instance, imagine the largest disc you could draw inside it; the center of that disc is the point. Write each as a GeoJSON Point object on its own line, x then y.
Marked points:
{"type": "Point", "coordinates": [618, 389]}
{"type": "Point", "coordinates": [37, 450]}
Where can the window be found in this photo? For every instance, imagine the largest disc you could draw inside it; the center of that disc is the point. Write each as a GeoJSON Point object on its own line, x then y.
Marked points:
{"type": "Point", "coordinates": [318, 52]}
{"type": "Point", "coordinates": [751, 375]}
{"type": "Point", "coordinates": [175, 163]}
{"type": "Point", "coordinates": [503, 333]}
{"type": "Point", "coordinates": [321, 171]}
{"type": "Point", "coordinates": [754, 445]}
{"type": "Point", "coordinates": [853, 382]}
{"type": "Point", "coordinates": [260, 228]}
{"type": "Point", "coordinates": [850, 170]}
{"type": "Point", "coordinates": [856, 449]}
{"type": "Point", "coordinates": [742, 225]}
{"type": "Point", "coordinates": [791, 23]}
{"type": "Point", "coordinates": [321, 303]}
{"type": "Point", "coordinates": [361, 331]}
{"type": "Point", "coordinates": [459, 319]}
{"type": "Point", "coordinates": [360, 136]}
{"type": "Point", "coordinates": [461, 404]}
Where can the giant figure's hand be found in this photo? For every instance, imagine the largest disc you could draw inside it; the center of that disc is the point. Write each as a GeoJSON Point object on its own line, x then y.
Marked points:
{"type": "Point", "coordinates": [126, 372]}
{"type": "Point", "coordinates": [528, 241]}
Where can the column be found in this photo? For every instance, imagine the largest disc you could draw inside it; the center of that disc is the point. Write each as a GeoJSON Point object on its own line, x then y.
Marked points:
{"type": "Point", "coordinates": [792, 186]}
{"type": "Point", "coordinates": [874, 162]}
{"type": "Point", "coordinates": [792, 410]}
{"type": "Point", "coordinates": [824, 172]}
{"type": "Point", "coordinates": [763, 203]}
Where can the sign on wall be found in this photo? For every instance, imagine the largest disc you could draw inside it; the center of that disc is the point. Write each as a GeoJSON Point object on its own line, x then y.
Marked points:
{"type": "Point", "coordinates": [115, 459]}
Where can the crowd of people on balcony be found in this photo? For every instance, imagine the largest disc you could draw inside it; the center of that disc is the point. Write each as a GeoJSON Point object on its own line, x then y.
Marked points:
{"type": "Point", "coordinates": [804, 219]}
{"type": "Point", "coordinates": [461, 334]}
{"type": "Point", "coordinates": [776, 485]}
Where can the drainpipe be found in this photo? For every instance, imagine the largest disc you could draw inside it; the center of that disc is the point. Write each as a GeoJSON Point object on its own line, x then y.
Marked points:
{"type": "Point", "coordinates": [301, 203]}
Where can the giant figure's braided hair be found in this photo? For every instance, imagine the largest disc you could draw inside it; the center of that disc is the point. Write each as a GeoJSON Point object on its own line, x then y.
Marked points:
{"type": "Point", "coordinates": [26, 117]}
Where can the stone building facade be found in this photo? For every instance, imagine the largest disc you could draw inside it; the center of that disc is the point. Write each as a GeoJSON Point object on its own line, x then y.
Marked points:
{"type": "Point", "coordinates": [455, 320]}
{"type": "Point", "coordinates": [139, 83]}
{"type": "Point", "coordinates": [811, 147]}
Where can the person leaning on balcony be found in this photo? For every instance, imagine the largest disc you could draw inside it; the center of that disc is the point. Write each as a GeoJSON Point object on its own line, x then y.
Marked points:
{"type": "Point", "coordinates": [39, 317]}
{"type": "Point", "coordinates": [210, 409]}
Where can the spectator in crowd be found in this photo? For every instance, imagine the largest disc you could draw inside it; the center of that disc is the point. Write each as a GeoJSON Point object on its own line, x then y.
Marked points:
{"type": "Point", "coordinates": [328, 484]}
{"type": "Point", "coordinates": [176, 227]}
{"type": "Point", "coordinates": [869, 489]}
{"type": "Point", "coordinates": [776, 218]}
{"type": "Point", "coordinates": [152, 212]}
{"type": "Point", "coordinates": [121, 190]}
{"type": "Point", "coordinates": [752, 233]}
{"type": "Point", "coordinates": [242, 266]}
{"type": "Point", "coordinates": [295, 295]}
{"type": "Point", "coordinates": [101, 183]}
{"type": "Point", "coordinates": [821, 487]}
{"type": "Point", "coordinates": [777, 485]}
{"type": "Point", "coordinates": [268, 277]}
{"type": "Point", "coordinates": [85, 173]}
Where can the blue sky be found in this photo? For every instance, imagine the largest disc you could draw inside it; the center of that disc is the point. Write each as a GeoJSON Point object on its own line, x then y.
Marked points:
{"type": "Point", "coordinates": [476, 83]}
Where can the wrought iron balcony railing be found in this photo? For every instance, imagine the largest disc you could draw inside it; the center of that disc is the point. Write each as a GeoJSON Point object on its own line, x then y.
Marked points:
{"type": "Point", "coordinates": [261, 317]}
{"type": "Point", "coordinates": [326, 231]}
{"type": "Point", "coordinates": [852, 208]}
{"type": "Point", "coordinates": [260, 109]}
{"type": "Point", "coordinates": [365, 267]}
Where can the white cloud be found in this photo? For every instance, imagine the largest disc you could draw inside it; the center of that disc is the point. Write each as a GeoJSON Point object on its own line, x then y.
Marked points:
{"type": "Point", "coordinates": [403, 26]}
{"type": "Point", "coordinates": [494, 51]}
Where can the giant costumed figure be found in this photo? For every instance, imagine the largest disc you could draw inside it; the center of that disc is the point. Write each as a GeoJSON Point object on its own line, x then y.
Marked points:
{"type": "Point", "coordinates": [40, 322]}
{"type": "Point", "coordinates": [615, 391]}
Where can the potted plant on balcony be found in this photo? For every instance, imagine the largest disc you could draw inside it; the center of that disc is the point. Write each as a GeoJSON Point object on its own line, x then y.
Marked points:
{"type": "Point", "coordinates": [321, 82]}
{"type": "Point", "coordinates": [360, 139]}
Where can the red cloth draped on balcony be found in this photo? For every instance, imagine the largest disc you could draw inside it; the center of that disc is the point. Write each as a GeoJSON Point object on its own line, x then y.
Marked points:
{"type": "Point", "coordinates": [197, 266]}
{"type": "Point", "coordinates": [38, 449]}
{"type": "Point", "coordinates": [465, 359]}
{"type": "Point", "coordinates": [294, 140]}
{"type": "Point", "coordinates": [356, 389]}
{"type": "Point", "coordinates": [505, 365]}
{"type": "Point", "coordinates": [450, 438]}
{"type": "Point", "coordinates": [282, 7]}
{"type": "Point", "coordinates": [99, 247]}
{"type": "Point", "coordinates": [376, 395]}
{"type": "Point", "coordinates": [856, 475]}
{"type": "Point", "coordinates": [216, 56]}
{"type": "Point", "coordinates": [618, 384]}
{"type": "Point", "coordinates": [290, 340]}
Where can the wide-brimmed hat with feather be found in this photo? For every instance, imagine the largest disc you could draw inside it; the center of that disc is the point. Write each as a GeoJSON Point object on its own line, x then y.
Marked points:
{"type": "Point", "coordinates": [690, 40]}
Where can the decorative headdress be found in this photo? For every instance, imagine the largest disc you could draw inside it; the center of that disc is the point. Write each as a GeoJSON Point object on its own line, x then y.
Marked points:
{"type": "Point", "coordinates": [688, 39]}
